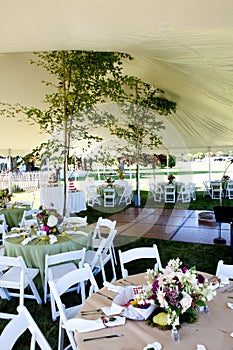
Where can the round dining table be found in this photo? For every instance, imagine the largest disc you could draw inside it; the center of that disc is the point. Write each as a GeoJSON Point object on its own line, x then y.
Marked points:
{"type": "Point", "coordinates": [34, 252]}
{"type": "Point", "coordinates": [211, 330]}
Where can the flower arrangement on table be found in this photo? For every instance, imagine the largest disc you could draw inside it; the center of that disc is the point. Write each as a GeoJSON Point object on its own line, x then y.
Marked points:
{"type": "Point", "coordinates": [109, 181]}
{"type": "Point", "coordinates": [48, 219]}
{"type": "Point", "coordinates": [179, 292]}
{"type": "Point", "coordinates": [5, 197]}
{"type": "Point", "coordinates": [171, 178]}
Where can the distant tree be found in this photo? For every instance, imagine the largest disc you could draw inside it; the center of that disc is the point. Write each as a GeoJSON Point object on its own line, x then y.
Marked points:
{"type": "Point", "coordinates": [139, 126]}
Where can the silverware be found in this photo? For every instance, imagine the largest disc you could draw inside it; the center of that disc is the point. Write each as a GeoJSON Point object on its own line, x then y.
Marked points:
{"type": "Point", "coordinates": [104, 337]}
{"type": "Point", "coordinates": [91, 312]}
{"type": "Point", "coordinates": [105, 296]}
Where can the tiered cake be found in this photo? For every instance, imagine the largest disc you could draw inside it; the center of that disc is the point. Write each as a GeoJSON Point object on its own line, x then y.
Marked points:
{"type": "Point", "coordinates": [71, 186]}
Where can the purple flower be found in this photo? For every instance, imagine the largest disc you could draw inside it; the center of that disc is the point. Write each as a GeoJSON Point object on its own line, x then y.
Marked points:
{"type": "Point", "coordinates": [200, 278]}
{"type": "Point", "coordinates": [184, 269]}
{"type": "Point", "coordinates": [155, 286]}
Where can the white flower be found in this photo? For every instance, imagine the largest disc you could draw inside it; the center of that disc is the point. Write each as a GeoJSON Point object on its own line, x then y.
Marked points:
{"type": "Point", "coordinates": [161, 299]}
{"type": "Point", "coordinates": [52, 221]}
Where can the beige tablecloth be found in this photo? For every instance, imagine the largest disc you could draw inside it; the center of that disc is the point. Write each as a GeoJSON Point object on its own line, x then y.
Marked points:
{"type": "Point", "coordinates": [212, 330]}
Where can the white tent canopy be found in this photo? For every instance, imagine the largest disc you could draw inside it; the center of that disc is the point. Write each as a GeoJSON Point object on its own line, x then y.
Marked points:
{"type": "Point", "coordinates": [181, 46]}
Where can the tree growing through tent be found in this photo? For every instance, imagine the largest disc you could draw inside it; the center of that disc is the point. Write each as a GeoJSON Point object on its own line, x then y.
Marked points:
{"type": "Point", "coordinates": [138, 124]}
{"type": "Point", "coordinates": [79, 81]}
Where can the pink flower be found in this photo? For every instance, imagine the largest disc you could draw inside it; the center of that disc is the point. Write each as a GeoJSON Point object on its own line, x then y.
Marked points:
{"type": "Point", "coordinates": [186, 302]}
{"type": "Point", "coordinates": [45, 228]}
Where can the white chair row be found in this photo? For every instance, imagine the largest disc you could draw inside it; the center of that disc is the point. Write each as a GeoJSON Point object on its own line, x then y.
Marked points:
{"type": "Point", "coordinates": [167, 192]}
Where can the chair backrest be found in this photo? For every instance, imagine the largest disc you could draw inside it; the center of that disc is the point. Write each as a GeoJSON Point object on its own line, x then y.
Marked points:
{"type": "Point", "coordinates": [29, 217]}
{"type": "Point", "coordinates": [103, 226]}
{"type": "Point", "coordinates": [3, 222]}
{"type": "Point", "coordinates": [60, 286]}
{"type": "Point", "coordinates": [224, 270]}
{"type": "Point", "coordinates": [139, 253]}
{"type": "Point", "coordinates": [17, 326]}
{"type": "Point", "coordinates": [76, 220]}
{"type": "Point", "coordinates": [60, 258]}
{"type": "Point", "coordinates": [104, 247]}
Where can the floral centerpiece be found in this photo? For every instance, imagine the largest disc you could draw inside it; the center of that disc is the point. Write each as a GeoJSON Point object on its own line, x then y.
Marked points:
{"type": "Point", "coordinates": [171, 178]}
{"type": "Point", "coordinates": [179, 292]}
{"type": "Point", "coordinates": [109, 181]}
{"type": "Point", "coordinates": [5, 197]}
{"type": "Point", "coordinates": [48, 219]}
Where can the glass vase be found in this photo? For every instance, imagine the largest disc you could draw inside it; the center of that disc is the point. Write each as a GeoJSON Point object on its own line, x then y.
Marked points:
{"type": "Point", "coordinates": [175, 335]}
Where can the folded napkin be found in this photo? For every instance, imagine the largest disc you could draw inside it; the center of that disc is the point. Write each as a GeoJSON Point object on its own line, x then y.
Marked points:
{"type": "Point", "coordinates": [230, 305]}
{"type": "Point", "coordinates": [113, 287]}
{"type": "Point", "coordinates": [83, 326]}
{"type": "Point", "coordinates": [16, 229]}
{"type": "Point", "coordinates": [223, 280]}
{"type": "Point", "coordinates": [52, 239]}
{"type": "Point", "coordinates": [12, 235]}
{"type": "Point", "coordinates": [154, 346]}
{"type": "Point", "coordinates": [27, 240]}
{"type": "Point", "coordinates": [77, 233]}
{"type": "Point", "coordinates": [114, 309]}
{"type": "Point", "coordinates": [201, 347]}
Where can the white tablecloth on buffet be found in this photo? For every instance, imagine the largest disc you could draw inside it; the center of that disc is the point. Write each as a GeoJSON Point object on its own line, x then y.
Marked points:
{"type": "Point", "coordinates": [54, 197]}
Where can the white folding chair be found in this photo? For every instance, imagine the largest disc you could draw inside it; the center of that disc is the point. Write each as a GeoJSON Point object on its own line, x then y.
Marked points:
{"type": "Point", "coordinates": [169, 193]}
{"type": "Point", "coordinates": [29, 218]}
{"type": "Point", "coordinates": [192, 190]}
{"type": "Point", "coordinates": [224, 269]}
{"type": "Point", "coordinates": [126, 196]}
{"type": "Point", "coordinates": [157, 193]}
{"type": "Point", "coordinates": [92, 196]}
{"type": "Point", "coordinates": [58, 288]}
{"type": "Point", "coordinates": [184, 194]}
{"type": "Point", "coordinates": [98, 259]}
{"type": "Point", "coordinates": [109, 197]}
{"type": "Point", "coordinates": [3, 227]}
{"type": "Point", "coordinates": [229, 190]}
{"type": "Point", "coordinates": [75, 220]}
{"type": "Point", "coordinates": [17, 326]}
{"type": "Point", "coordinates": [206, 188]}
{"type": "Point", "coordinates": [103, 227]}
{"type": "Point", "coordinates": [58, 265]}
{"type": "Point", "coordinates": [215, 189]}
{"type": "Point", "coordinates": [18, 277]}
{"type": "Point", "coordinates": [139, 253]}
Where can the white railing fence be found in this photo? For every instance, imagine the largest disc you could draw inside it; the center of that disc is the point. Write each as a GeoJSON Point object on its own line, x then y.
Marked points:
{"type": "Point", "coordinates": [16, 182]}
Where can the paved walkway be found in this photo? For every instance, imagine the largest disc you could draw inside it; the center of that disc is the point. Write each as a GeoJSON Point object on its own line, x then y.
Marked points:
{"type": "Point", "coordinates": [170, 224]}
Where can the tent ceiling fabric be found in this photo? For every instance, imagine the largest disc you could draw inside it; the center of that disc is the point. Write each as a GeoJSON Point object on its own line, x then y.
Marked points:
{"type": "Point", "coordinates": [183, 47]}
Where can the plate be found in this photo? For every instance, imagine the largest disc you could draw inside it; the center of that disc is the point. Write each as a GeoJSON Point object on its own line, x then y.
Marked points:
{"type": "Point", "coordinates": [153, 346]}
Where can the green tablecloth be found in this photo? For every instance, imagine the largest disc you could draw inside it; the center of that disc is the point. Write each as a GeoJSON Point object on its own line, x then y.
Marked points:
{"type": "Point", "coordinates": [35, 251]}
{"type": "Point", "coordinates": [13, 216]}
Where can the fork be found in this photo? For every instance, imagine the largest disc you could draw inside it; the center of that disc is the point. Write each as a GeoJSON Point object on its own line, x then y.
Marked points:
{"type": "Point", "coordinates": [94, 311]}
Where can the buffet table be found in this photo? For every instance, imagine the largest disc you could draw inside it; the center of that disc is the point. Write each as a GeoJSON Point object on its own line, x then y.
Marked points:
{"type": "Point", "coordinates": [212, 330]}
{"type": "Point", "coordinates": [34, 252]}
{"type": "Point", "coordinates": [53, 197]}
